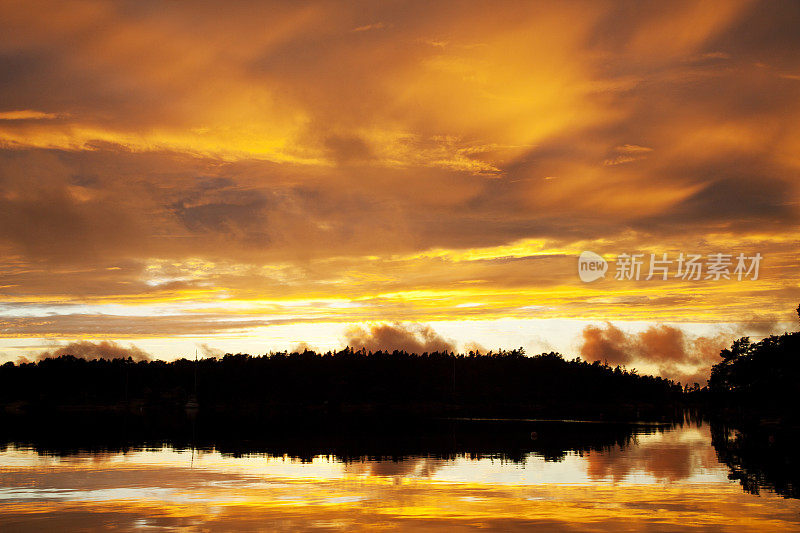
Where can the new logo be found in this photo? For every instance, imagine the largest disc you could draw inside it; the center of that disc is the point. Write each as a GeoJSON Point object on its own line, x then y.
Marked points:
{"type": "Point", "coordinates": [591, 266]}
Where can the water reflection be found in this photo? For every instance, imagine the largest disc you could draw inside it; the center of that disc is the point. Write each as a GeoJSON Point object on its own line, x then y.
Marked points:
{"type": "Point", "coordinates": [760, 456]}
{"type": "Point", "coordinates": [345, 439]}
{"type": "Point", "coordinates": [494, 475]}
{"type": "Point", "coordinates": [673, 456]}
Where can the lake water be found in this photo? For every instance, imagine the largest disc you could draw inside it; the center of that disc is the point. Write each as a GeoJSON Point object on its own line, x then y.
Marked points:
{"type": "Point", "coordinates": [540, 475]}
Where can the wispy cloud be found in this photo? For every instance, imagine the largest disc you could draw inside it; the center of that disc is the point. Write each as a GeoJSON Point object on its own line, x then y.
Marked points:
{"type": "Point", "coordinates": [26, 114]}
{"type": "Point", "coordinates": [368, 27]}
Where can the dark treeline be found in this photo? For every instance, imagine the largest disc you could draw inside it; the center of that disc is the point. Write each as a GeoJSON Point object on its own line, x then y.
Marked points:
{"type": "Point", "coordinates": [753, 396]}
{"type": "Point", "coordinates": [504, 384]}
{"type": "Point", "coordinates": [757, 379]}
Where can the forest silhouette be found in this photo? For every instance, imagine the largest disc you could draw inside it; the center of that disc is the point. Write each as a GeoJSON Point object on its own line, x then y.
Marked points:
{"type": "Point", "coordinates": [347, 382]}
{"type": "Point", "coordinates": [758, 378]}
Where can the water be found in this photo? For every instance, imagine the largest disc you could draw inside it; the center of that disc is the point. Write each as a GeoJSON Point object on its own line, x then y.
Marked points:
{"type": "Point", "coordinates": [558, 476]}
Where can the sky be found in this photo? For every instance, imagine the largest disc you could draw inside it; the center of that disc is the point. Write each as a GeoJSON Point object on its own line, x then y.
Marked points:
{"type": "Point", "coordinates": [257, 176]}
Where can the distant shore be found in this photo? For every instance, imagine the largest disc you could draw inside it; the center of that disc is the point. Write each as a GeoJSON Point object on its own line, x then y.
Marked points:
{"type": "Point", "coordinates": [346, 383]}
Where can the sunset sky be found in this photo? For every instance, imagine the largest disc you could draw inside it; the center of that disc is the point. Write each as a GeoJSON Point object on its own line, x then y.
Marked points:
{"type": "Point", "coordinates": [247, 177]}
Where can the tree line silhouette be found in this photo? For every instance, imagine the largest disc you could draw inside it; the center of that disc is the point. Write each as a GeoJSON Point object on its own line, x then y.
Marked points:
{"type": "Point", "coordinates": [757, 379]}
{"type": "Point", "coordinates": [346, 382]}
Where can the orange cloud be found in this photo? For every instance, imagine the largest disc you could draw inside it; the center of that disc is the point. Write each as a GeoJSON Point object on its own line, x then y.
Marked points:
{"type": "Point", "coordinates": [413, 338]}
{"type": "Point", "coordinates": [96, 350]}
{"type": "Point", "coordinates": [667, 349]}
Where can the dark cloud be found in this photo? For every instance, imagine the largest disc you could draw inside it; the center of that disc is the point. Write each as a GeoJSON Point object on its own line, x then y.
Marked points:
{"type": "Point", "coordinates": [302, 347]}
{"type": "Point", "coordinates": [348, 149]}
{"type": "Point", "coordinates": [762, 326]}
{"type": "Point", "coordinates": [473, 346]}
{"type": "Point", "coordinates": [239, 214]}
{"type": "Point", "coordinates": [667, 348]}
{"type": "Point", "coordinates": [609, 344]}
{"type": "Point", "coordinates": [752, 200]}
{"type": "Point", "coordinates": [209, 351]}
{"type": "Point", "coordinates": [413, 338]}
{"type": "Point", "coordinates": [96, 350]}
{"type": "Point", "coordinates": [763, 32]}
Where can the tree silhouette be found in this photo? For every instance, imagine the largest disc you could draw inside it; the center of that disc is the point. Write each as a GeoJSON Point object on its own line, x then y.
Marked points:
{"type": "Point", "coordinates": [347, 382]}
{"type": "Point", "coordinates": [759, 377]}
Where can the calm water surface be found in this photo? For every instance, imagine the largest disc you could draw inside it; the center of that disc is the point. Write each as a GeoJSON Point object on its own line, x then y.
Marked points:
{"type": "Point", "coordinates": [667, 479]}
